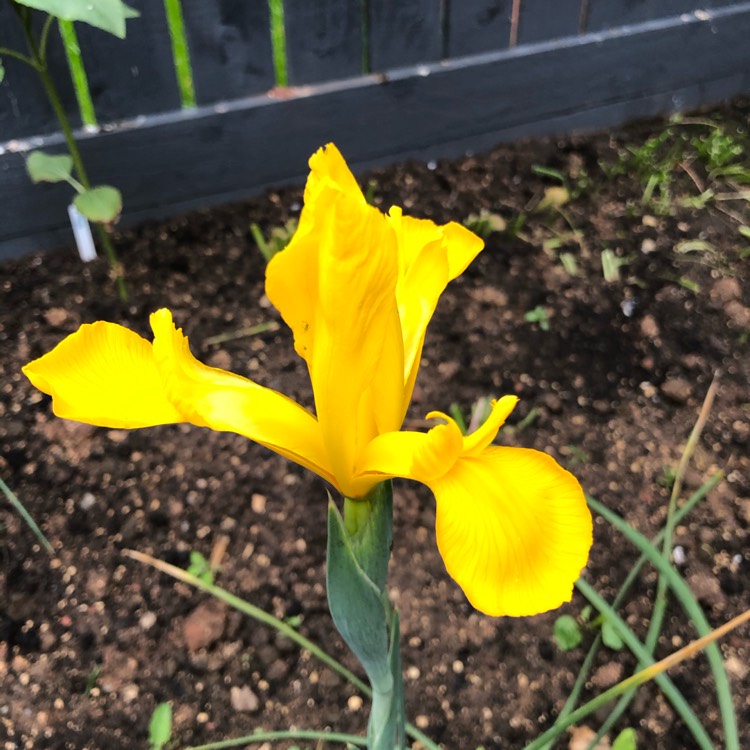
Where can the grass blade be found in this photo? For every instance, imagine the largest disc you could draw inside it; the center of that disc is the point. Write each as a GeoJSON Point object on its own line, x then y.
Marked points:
{"type": "Point", "coordinates": [690, 604]}
{"type": "Point", "coordinates": [18, 505]}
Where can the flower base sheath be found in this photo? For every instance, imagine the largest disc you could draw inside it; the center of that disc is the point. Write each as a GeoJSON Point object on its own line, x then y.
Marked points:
{"type": "Point", "coordinates": [358, 288]}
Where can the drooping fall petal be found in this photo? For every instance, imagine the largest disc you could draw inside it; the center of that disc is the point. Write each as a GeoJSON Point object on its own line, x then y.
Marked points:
{"type": "Point", "coordinates": [105, 375]}
{"type": "Point", "coordinates": [513, 529]}
{"type": "Point", "coordinates": [512, 525]}
{"type": "Point", "coordinates": [109, 376]}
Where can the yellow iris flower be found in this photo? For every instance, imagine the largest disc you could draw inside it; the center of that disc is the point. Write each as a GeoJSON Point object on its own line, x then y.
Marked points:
{"type": "Point", "coordinates": [358, 289]}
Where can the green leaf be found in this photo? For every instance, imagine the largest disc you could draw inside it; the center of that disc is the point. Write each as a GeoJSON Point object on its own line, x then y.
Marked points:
{"type": "Point", "coordinates": [102, 203]}
{"type": "Point", "coordinates": [357, 606]}
{"type": "Point", "coordinates": [611, 637]}
{"type": "Point", "coordinates": [160, 726]}
{"type": "Point", "coordinates": [107, 15]}
{"type": "Point", "coordinates": [48, 167]}
{"type": "Point", "coordinates": [566, 632]}
{"type": "Point", "coordinates": [200, 567]}
{"type": "Point", "coordinates": [626, 740]}
{"type": "Point", "coordinates": [2, 72]}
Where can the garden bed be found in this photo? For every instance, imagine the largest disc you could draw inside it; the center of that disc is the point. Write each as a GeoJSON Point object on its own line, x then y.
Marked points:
{"type": "Point", "coordinates": [611, 373]}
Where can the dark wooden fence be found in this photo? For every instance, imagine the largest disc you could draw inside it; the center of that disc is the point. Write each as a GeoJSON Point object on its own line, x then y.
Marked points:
{"type": "Point", "coordinates": [384, 79]}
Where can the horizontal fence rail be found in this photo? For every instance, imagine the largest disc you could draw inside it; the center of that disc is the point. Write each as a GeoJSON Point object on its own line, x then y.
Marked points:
{"type": "Point", "coordinates": [213, 100]}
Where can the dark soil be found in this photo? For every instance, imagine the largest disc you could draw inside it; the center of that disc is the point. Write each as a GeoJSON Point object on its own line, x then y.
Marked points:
{"type": "Point", "coordinates": [91, 641]}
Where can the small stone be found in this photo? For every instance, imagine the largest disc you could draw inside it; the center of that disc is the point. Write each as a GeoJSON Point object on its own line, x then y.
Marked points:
{"type": "Point", "coordinates": [204, 625]}
{"type": "Point", "coordinates": [706, 588]}
{"type": "Point", "coordinates": [129, 693]}
{"type": "Point", "coordinates": [725, 290]}
{"type": "Point", "coordinates": [738, 313]}
{"type": "Point", "coordinates": [648, 246]}
{"type": "Point", "coordinates": [221, 359]}
{"type": "Point", "coordinates": [243, 699]}
{"type": "Point", "coordinates": [649, 327]}
{"type": "Point", "coordinates": [677, 389]}
{"type": "Point", "coordinates": [607, 675]}
{"type": "Point", "coordinates": [56, 316]}
{"type": "Point", "coordinates": [582, 737]}
{"type": "Point", "coordinates": [88, 501]}
{"type": "Point", "coordinates": [552, 402]}
{"type": "Point", "coordinates": [258, 503]}
{"type": "Point", "coordinates": [354, 703]}
{"type": "Point", "coordinates": [147, 620]}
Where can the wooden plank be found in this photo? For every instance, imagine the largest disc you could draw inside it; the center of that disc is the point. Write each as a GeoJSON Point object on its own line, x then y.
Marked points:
{"type": "Point", "coordinates": [411, 115]}
{"type": "Point", "coordinates": [24, 109]}
{"type": "Point", "coordinates": [230, 47]}
{"type": "Point", "coordinates": [323, 40]}
{"type": "Point", "coordinates": [407, 32]}
{"type": "Point", "coordinates": [541, 20]}
{"type": "Point", "coordinates": [133, 76]}
{"type": "Point", "coordinates": [475, 26]}
{"type": "Point", "coordinates": [607, 14]}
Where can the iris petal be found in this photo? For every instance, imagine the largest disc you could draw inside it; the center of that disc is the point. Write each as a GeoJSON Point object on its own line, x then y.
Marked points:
{"type": "Point", "coordinates": [105, 375]}
{"type": "Point", "coordinates": [221, 400]}
{"type": "Point", "coordinates": [513, 529]}
{"type": "Point", "coordinates": [429, 257]}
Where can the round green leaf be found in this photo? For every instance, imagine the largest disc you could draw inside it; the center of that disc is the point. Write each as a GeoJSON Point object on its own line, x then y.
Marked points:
{"type": "Point", "coordinates": [566, 632]}
{"type": "Point", "coordinates": [108, 15]}
{"type": "Point", "coordinates": [102, 203]}
{"type": "Point", "coordinates": [48, 167]}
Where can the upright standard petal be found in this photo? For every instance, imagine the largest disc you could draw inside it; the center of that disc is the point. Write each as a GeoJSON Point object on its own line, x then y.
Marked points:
{"type": "Point", "coordinates": [105, 375]}
{"type": "Point", "coordinates": [429, 257]}
{"type": "Point", "coordinates": [335, 286]}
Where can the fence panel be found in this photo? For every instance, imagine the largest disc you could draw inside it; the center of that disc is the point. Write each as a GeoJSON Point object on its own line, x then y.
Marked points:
{"type": "Point", "coordinates": [24, 109]}
{"type": "Point", "coordinates": [404, 33]}
{"type": "Point", "coordinates": [132, 76]}
{"type": "Point", "coordinates": [467, 101]}
{"type": "Point", "coordinates": [541, 20]}
{"type": "Point", "coordinates": [475, 26]}
{"type": "Point", "coordinates": [230, 48]}
{"type": "Point", "coordinates": [323, 40]}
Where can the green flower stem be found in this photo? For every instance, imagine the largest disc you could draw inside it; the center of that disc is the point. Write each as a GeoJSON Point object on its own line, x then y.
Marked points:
{"type": "Point", "coordinates": [38, 55]}
{"type": "Point", "coordinates": [77, 72]}
{"type": "Point", "coordinates": [356, 513]}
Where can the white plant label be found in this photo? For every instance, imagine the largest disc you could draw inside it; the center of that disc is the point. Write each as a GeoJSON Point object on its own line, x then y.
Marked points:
{"type": "Point", "coordinates": [82, 234]}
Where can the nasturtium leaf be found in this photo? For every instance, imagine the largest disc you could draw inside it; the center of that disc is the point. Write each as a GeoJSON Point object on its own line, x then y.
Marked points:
{"type": "Point", "coordinates": [102, 203]}
{"type": "Point", "coordinates": [566, 632]}
{"type": "Point", "coordinates": [160, 726]}
{"type": "Point", "coordinates": [107, 15]}
{"type": "Point", "coordinates": [611, 637]}
{"type": "Point", "coordinates": [626, 740]}
{"type": "Point", "coordinates": [48, 167]}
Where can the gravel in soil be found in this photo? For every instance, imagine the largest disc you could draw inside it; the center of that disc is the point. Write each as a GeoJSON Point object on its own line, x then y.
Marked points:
{"type": "Point", "coordinates": [611, 375]}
